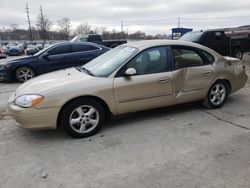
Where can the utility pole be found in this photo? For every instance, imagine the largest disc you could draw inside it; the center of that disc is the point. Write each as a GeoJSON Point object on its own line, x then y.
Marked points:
{"type": "Point", "coordinates": [43, 24]}
{"type": "Point", "coordinates": [122, 29]}
{"type": "Point", "coordinates": [28, 16]}
{"type": "Point", "coordinates": [179, 22]}
{"type": "Point", "coordinates": [121, 26]}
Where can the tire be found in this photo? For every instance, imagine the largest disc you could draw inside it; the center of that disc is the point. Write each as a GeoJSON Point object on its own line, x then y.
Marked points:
{"type": "Point", "coordinates": [217, 95]}
{"type": "Point", "coordinates": [24, 73]}
{"type": "Point", "coordinates": [82, 117]}
{"type": "Point", "coordinates": [238, 54]}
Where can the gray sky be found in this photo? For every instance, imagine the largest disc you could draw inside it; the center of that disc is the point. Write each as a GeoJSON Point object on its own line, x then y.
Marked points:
{"type": "Point", "coordinates": [150, 16]}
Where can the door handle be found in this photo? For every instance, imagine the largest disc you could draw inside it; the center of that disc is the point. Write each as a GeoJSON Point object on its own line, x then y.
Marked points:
{"type": "Point", "coordinates": [208, 73]}
{"type": "Point", "coordinates": [163, 80]}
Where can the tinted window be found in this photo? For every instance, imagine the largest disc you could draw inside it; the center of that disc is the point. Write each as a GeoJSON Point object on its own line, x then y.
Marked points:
{"type": "Point", "coordinates": [62, 49]}
{"type": "Point", "coordinates": [185, 57]}
{"type": "Point", "coordinates": [94, 38]}
{"type": "Point", "coordinates": [82, 48]}
{"type": "Point", "coordinates": [218, 34]}
{"type": "Point", "coordinates": [192, 36]}
{"type": "Point", "coordinates": [150, 61]}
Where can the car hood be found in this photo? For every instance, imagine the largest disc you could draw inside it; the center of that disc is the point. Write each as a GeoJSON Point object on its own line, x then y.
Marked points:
{"type": "Point", "coordinates": [53, 80]}
{"type": "Point", "coordinates": [17, 60]}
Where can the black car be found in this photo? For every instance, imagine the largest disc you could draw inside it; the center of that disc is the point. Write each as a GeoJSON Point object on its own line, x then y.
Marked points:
{"type": "Point", "coordinates": [55, 57]}
{"type": "Point", "coordinates": [95, 38]}
{"type": "Point", "coordinates": [219, 42]}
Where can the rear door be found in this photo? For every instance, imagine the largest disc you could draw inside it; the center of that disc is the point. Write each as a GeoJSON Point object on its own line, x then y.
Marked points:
{"type": "Point", "coordinates": [150, 88]}
{"type": "Point", "coordinates": [193, 73]}
{"type": "Point", "coordinates": [83, 53]}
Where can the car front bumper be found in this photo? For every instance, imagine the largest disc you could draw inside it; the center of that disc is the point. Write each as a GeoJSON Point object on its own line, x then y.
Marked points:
{"type": "Point", "coordinates": [33, 118]}
{"type": "Point", "coordinates": [6, 75]}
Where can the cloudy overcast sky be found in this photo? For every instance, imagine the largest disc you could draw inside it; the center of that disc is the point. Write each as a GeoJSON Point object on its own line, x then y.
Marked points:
{"type": "Point", "coordinates": [150, 16]}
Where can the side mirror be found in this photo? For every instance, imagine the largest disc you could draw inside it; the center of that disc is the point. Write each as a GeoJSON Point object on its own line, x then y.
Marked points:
{"type": "Point", "coordinates": [45, 55]}
{"type": "Point", "coordinates": [130, 72]}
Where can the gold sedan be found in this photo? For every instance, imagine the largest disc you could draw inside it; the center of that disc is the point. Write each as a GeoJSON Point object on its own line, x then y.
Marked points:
{"type": "Point", "coordinates": [132, 77]}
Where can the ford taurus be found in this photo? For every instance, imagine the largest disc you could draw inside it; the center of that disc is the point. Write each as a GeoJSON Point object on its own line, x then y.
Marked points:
{"type": "Point", "coordinates": [129, 78]}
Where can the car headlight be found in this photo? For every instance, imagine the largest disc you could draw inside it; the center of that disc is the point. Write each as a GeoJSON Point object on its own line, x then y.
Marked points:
{"type": "Point", "coordinates": [28, 100]}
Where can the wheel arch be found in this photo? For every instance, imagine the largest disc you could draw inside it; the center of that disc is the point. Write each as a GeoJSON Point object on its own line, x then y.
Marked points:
{"type": "Point", "coordinates": [108, 113]}
{"type": "Point", "coordinates": [19, 66]}
{"type": "Point", "coordinates": [224, 80]}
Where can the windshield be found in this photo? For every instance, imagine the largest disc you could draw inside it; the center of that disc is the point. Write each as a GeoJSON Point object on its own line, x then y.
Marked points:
{"type": "Point", "coordinates": [192, 36]}
{"type": "Point", "coordinates": [107, 63]}
{"type": "Point", "coordinates": [79, 39]}
{"type": "Point", "coordinates": [42, 51]}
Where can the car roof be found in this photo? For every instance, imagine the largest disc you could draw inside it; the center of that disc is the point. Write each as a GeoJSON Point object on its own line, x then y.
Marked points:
{"type": "Point", "coordinates": [153, 43]}
{"type": "Point", "coordinates": [142, 45]}
{"type": "Point", "coordinates": [81, 43]}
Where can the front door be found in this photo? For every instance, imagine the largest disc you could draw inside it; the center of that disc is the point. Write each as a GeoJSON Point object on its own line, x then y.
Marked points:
{"type": "Point", "coordinates": [58, 58]}
{"type": "Point", "coordinates": [150, 88]}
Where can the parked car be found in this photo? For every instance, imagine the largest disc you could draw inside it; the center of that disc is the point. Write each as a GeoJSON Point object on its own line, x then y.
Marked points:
{"type": "Point", "coordinates": [55, 57]}
{"type": "Point", "coordinates": [15, 51]}
{"type": "Point", "coordinates": [2, 53]}
{"type": "Point", "coordinates": [95, 38]}
{"type": "Point", "coordinates": [220, 42]}
{"type": "Point", "coordinates": [32, 49]}
{"type": "Point", "coordinates": [130, 78]}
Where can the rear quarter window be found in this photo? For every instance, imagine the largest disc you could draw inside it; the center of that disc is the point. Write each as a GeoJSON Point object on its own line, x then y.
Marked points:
{"type": "Point", "coordinates": [209, 58]}
{"type": "Point", "coordinates": [83, 48]}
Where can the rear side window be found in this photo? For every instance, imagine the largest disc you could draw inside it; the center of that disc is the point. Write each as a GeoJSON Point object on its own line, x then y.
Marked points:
{"type": "Point", "coordinates": [186, 57]}
{"type": "Point", "coordinates": [83, 48]}
{"type": "Point", "coordinates": [62, 49]}
{"type": "Point", "coordinates": [209, 58]}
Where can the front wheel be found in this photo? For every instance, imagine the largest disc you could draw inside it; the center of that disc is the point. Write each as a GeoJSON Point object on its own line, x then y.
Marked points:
{"type": "Point", "coordinates": [83, 117]}
{"type": "Point", "coordinates": [216, 95]}
{"type": "Point", "coordinates": [24, 73]}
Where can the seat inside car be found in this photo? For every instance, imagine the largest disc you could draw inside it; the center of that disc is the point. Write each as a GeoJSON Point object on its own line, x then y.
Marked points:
{"type": "Point", "coordinates": [143, 65]}
{"type": "Point", "coordinates": [184, 59]}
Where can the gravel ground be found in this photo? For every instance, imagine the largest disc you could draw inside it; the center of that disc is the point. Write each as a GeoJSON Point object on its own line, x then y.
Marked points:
{"type": "Point", "coordinates": [183, 146]}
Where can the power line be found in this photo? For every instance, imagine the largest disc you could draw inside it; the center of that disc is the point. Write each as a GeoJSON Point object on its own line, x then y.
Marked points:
{"type": "Point", "coordinates": [217, 18]}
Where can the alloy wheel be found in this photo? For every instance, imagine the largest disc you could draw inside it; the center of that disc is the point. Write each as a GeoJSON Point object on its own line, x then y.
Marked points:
{"type": "Point", "coordinates": [217, 94]}
{"type": "Point", "coordinates": [84, 119]}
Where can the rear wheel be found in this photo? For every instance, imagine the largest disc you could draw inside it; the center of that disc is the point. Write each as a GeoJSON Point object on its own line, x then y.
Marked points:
{"type": "Point", "coordinates": [83, 117]}
{"type": "Point", "coordinates": [216, 95]}
{"type": "Point", "coordinates": [24, 73]}
{"type": "Point", "coordinates": [238, 54]}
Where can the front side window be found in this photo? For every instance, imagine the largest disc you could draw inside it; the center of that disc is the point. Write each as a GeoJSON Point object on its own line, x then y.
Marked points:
{"type": "Point", "coordinates": [150, 61]}
{"type": "Point", "coordinates": [63, 49]}
{"type": "Point", "coordinates": [186, 57]}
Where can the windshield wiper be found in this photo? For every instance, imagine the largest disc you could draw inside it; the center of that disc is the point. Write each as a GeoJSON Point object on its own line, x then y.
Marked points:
{"type": "Point", "coordinates": [87, 71]}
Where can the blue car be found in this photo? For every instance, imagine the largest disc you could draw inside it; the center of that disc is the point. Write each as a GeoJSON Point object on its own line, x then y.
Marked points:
{"type": "Point", "coordinates": [55, 57]}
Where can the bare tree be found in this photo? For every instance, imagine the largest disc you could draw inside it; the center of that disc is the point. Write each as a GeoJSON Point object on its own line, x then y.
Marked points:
{"type": "Point", "coordinates": [65, 25]}
{"type": "Point", "coordinates": [83, 29]}
{"type": "Point", "coordinates": [13, 26]}
{"type": "Point", "coordinates": [43, 25]}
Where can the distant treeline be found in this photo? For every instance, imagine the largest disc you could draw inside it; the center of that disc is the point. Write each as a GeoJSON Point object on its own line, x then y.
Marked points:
{"type": "Point", "coordinates": [22, 34]}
